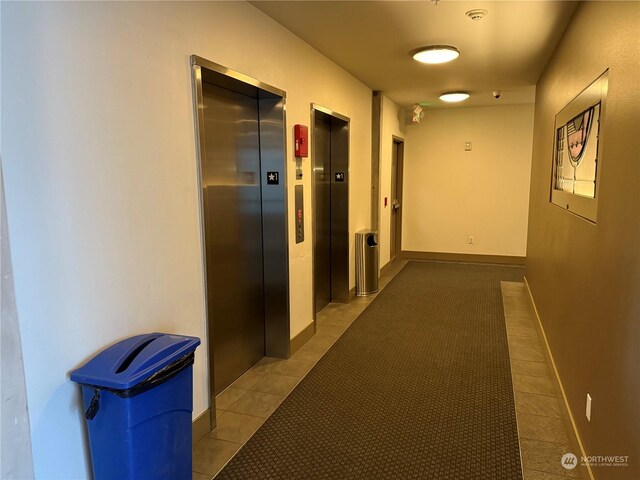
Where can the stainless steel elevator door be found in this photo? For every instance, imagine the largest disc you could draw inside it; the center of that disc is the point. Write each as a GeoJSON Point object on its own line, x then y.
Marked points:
{"type": "Point", "coordinates": [322, 210]}
{"type": "Point", "coordinates": [233, 232]}
{"type": "Point", "coordinates": [394, 200]}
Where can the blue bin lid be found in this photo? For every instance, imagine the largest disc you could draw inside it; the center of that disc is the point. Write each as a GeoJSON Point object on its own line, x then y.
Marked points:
{"type": "Point", "coordinates": [131, 361]}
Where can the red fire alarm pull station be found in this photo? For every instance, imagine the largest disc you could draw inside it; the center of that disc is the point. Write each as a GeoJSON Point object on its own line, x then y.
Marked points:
{"type": "Point", "coordinates": [301, 137]}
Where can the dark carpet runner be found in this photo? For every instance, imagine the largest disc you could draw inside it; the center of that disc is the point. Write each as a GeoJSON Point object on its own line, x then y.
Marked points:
{"type": "Point", "coordinates": [419, 387]}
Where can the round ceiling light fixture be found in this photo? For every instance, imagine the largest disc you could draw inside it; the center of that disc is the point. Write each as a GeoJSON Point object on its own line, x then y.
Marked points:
{"type": "Point", "coordinates": [435, 54]}
{"type": "Point", "coordinates": [452, 97]}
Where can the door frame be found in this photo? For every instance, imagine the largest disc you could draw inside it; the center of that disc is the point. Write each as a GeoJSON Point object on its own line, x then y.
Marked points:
{"type": "Point", "coordinates": [276, 232]}
{"type": "Point", "coordinates": [397, 235]}
{"type": "Point", "coordinates": [327, 111]}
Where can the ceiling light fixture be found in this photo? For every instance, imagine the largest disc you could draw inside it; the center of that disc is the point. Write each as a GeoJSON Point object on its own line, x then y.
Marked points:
{"type": "Point", "coordinates": [451, 97]}
{"type": "Point", "coordinates": [435, 54]}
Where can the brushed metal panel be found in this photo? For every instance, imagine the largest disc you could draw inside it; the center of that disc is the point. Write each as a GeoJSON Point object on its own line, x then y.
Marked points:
{"type": "Point", "coordinates": [274, 264]}
{"type": "Point", "coordinates": [198, 115]}
{"type": "Point", "coordinates": [299, 213]}
{"type": "Point", "coordinates": [327, 111]}
{"type": "Point", "coordinates": [394, 198]}
{"type": "Point", "coordinates": [220, 75]}
{"type": "Point", "coordinates": [376, 133]}
{"type": "Point", "coordinates": [322, 210]}
{"type": "Point", "coordinates": [330, 208]}
{"type": "Point", "coordinates": [367, 262]}
{"type": "Point", "coordinates": [274, 226]}
{"type": "Point", "coordinates": [339, 210]}
{"type": "Point", "coordinates": [233, 232]}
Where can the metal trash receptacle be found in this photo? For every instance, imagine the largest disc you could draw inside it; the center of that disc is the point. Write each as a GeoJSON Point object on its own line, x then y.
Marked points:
{"type": "Point", "coordinates": [367, 258]}
{"type": "Point", "coordinates": [138, 401]}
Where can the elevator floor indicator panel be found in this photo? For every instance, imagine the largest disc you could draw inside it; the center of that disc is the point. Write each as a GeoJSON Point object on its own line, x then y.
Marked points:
{"type": "Point", "coordinates": [273, 178]}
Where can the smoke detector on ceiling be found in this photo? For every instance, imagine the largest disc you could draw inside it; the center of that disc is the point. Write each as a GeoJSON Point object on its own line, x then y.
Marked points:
{"type": "Point", "coordinates": [476, 14]}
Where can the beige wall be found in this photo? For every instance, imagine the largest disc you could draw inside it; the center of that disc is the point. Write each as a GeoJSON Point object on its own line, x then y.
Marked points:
{"type": "Point", "coordinates": [451, 194]}
{"type": "Point", "coordinates": [99, 159]}
{"type": "Point", "coordinates": [585, 278]}
{"type": "Point", "coordinates": [390, 124]}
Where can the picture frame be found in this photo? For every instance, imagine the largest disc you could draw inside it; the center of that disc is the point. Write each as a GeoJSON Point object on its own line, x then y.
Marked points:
{"type": "Point", "coordinates": [577, 151]}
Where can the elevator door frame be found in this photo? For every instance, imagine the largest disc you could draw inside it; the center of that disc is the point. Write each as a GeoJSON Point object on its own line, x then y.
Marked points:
{"type": "Point", "coordinates": [396, 234]}
{"type": "Point", "coordinates": [274, 218]}
{"type": "Point", "coordinates": [344, 292]}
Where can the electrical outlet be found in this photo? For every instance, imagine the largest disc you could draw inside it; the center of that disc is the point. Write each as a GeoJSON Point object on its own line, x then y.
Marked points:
{"type": "Point", "coordinates": [471, 240]}
{"type": "Point", "coordinates": [588, 411]}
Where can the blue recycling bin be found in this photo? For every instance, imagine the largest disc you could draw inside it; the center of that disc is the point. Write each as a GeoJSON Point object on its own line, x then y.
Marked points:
{"type": "Point", "coordinates": [138, 400]}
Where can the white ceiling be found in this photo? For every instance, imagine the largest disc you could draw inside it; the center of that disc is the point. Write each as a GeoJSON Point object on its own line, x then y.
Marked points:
{"type": "Point", "coordinates": [506, 50]}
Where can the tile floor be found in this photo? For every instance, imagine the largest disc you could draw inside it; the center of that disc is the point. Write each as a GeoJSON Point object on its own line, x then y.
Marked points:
{"type": "Point", "coordinates": [249, 401]}
{"type": "Point", "coordinates": [544, 427]}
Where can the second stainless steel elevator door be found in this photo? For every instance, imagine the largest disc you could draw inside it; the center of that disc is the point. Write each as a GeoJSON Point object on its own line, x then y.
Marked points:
{"type": "Point", "coordinates": [232, 201]}
{"type": "Point", "coordinates": [322, 213]}
{"type": "Point", "coordinates": [331, 209]}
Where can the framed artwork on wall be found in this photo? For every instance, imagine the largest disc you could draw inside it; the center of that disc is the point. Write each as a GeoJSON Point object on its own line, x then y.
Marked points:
{"type": "Point", "coordinates": [577, 151]}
